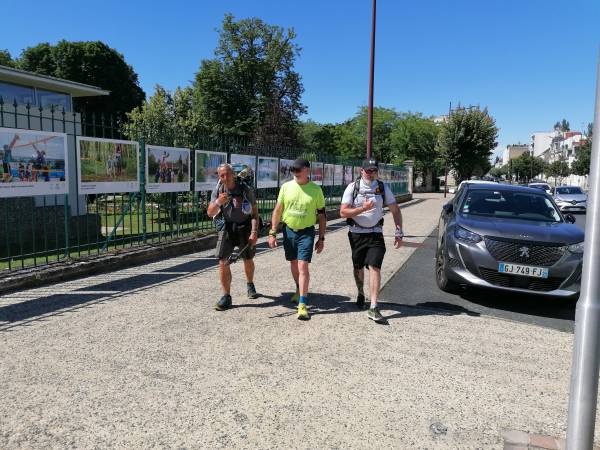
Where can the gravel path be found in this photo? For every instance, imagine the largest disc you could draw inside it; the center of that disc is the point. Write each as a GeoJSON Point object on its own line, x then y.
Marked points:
{"type": "Point", "coordinates": [139, 359]}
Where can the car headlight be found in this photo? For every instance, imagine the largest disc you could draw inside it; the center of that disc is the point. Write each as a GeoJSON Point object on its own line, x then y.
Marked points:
{"type": "Point", "coordinates": [466, 235]}
{"type": "Point", "coordinates": [576, 248]}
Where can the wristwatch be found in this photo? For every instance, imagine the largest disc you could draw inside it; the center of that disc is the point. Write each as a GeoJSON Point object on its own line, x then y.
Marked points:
{"type": "Point", "coordinates": [273, 233]}
{"type": "Point", "coordinates": [399, 233]}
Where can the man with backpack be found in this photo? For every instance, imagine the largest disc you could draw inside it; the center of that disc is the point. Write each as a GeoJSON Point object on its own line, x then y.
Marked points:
{"type": "Point", "coordinates": [362, 205]}
{"type": "Point", "coordinates": [233, 206]}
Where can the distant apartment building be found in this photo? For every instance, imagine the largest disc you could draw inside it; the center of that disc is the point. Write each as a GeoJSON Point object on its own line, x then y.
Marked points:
{"type": "Point", "coordinates": [514, 151]}
{"type": "Point", "coordinates": [541, 141]}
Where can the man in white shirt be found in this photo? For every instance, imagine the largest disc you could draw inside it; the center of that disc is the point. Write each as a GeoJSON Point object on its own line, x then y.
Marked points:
{"type": "Point", "coordinates": [362, 205]}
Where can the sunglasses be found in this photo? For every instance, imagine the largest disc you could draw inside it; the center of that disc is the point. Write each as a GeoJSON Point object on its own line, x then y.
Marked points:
{"type": "Point", "coordinates": [372, 170]}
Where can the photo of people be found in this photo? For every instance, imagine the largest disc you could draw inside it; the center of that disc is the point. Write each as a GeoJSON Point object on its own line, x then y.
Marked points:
{"type": "Point", "coordinates": [107, 165]}
{"type": "Point", "coordinates": [167, 169]}
{"type": "Point", "coordinates": [338, 175]}
{"type": "Point", "coordinates": [248, 161]}
{"type": "Point", "coordinates": [285, 174]}
{"type": "Point", "coordinates": [348, 174]}
{"type": "Point", "coordinates": [33, 163]}
{"type": "Point", "coordinates": [328, 175]}
{"type": "Point", "coordinates": [267, 172]}
{"type": "Point", "coordinates": [207, 164]}
{"type": "Point", "coordinates": [316, 172]}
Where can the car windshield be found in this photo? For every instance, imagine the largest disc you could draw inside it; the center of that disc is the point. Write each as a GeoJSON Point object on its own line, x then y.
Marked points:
{"type": "Point", "coordinates": [568, 190]}
{"type": "Point", "coordinates": [509, 204]}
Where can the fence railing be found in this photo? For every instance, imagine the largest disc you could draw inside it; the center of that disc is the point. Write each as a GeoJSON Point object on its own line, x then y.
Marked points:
{"type": "Point", "coordinates": [41, 230]}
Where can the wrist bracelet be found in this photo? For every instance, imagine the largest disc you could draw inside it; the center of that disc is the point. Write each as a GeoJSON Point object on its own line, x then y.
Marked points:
{"type": "Point", "coordinates": [273, 233]}
{"type": "Point", "coordinates": [399, 233]}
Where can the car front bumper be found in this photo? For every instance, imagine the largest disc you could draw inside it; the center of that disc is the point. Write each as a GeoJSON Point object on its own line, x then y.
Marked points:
{"type": "Point", "coordinates": [472, 265]}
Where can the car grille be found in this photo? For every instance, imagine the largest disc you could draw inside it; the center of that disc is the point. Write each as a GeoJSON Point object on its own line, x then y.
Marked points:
{"type": "Point", "coordinates": [516, 281]}
{"type": "Point", "coordinates": [513, 252]}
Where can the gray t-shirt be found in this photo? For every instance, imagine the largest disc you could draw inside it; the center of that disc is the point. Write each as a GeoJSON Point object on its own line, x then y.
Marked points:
{"type": "Point", "coordinates": [368, 220]}
{"type": "Point", "coordinates": [239, 207]}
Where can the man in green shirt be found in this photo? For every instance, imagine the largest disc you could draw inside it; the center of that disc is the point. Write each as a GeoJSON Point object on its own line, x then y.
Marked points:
{"type": "Point", "coordinates": [299, 203]}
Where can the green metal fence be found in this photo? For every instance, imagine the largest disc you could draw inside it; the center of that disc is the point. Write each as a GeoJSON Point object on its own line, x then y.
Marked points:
{"type": "Point", "coordinates": [42, 230]}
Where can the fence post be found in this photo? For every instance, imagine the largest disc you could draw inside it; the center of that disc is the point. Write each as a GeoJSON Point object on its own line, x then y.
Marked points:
{"type": "Point", "coordinates": [143, 186]}
{"type": "Point", "coordinates": [67, 237]}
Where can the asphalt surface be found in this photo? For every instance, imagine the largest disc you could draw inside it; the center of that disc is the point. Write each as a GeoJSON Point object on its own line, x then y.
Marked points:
{"type": "Point", "coordinates": [414, 285]}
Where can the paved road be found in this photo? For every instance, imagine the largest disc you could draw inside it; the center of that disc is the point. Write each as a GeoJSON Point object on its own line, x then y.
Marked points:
{"type": "Point", "coordinates": [415, 285]}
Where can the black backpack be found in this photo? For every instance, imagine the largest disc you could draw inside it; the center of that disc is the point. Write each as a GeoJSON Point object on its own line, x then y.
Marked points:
{"type": "Point", "coordinates": [356, 189]}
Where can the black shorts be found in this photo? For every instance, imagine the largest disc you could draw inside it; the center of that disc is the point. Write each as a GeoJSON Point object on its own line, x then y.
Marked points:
{"type": "Point", "coordinates": [368, 249]}
{"type": "Point", "coordinates": [231, 237]}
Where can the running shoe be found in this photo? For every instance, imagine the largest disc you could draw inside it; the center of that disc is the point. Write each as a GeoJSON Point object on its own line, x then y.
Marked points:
{"type": "Point", "coordinates": [295, 298]}
{"type": "Point", "coordinates": [224, 303]}
{"type": "Point", "coordinates": [252, 291]}
{"type": "Point", "coordinates": [375, 315]}
{"type": "Point", "coordinates": [303, 312]}
{"type": "Point", "coordinates": [360, 301]}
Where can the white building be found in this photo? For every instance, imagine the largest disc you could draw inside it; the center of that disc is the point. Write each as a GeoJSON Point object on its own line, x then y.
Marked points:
{"type": "Point", "coordinates": [541, 141]}
{"type": "Point", "coordinates": [514, 151]}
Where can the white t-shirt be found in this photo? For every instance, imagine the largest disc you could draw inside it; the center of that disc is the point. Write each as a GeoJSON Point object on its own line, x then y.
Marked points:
{"type": "Point", "coordinates": [368, 220]}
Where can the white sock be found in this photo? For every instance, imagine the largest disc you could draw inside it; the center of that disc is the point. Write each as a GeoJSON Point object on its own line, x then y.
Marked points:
{"type": "Point", "coordinates": [373, 305]}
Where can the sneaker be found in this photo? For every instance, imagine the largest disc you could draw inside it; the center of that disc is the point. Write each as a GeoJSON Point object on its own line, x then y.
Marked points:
{"type": "Point", "coordinates": [303, 312]}
{"type": "Point", "coordinates": [223, 303]}
{"type": "Point", "coordinates": [360, 301]}
{"type": "Point", "coordinates": [375, 315]}
{"type": "Point", "coordinates": [252, 291]}
{"type": "Point", "coordinates": [295, 298]}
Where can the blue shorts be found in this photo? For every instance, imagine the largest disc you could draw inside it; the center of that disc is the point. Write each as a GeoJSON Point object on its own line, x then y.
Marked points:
{"type": "Point", "coordinates": [298, 244]}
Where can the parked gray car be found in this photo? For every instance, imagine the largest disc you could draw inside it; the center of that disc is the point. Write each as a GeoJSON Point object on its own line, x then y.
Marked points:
{"type": "Point", "coordinates": [509, 238]}
{"type": "Point", "coordinates": [570, 199]}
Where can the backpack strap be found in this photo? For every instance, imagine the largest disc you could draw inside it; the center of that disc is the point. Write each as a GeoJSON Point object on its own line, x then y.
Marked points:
{"type": "Point", "coordinates": [355, 191]}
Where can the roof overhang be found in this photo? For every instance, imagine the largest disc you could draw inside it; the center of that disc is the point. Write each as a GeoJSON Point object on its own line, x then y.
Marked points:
{"type": "Point", "coordinates": [24, 77]}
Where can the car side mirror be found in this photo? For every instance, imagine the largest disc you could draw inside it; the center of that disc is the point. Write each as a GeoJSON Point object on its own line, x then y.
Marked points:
{"type": "Point", "coordinates": [448, 208]}
{"type": "Point", "coordinates": [569, 218]}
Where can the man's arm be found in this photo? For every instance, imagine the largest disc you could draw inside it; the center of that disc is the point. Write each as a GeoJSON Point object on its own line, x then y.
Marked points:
{"type": "Point", "coordinates": [276, 216]}
{"type": "Point", "coordinates": [347, 211]}
{"type": "Point", "coordinates": [397, 215]}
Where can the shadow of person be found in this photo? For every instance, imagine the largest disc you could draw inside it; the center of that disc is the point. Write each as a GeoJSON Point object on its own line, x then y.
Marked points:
{"type": "Point", "coordinates": [426, 309]}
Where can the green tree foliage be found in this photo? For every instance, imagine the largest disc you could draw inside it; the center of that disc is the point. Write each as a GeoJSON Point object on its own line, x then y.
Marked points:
{"type": "Point", "coordinates": [317, 138]}
{"type": "Point", "coordinates": [562, 126]}
{"type": "Point", "coordinates": [92, 63]}
{"type": "Point", "coordinates": [558, 169]}
{"type": "Point", "coordinates": [467, 140]}
{"type": "Point", "coordinates": [250, 88]}
{"type": "Point", "coordinates": [6, 59]}
{"type": "Point", "coordinates": [527, 166]}
{"type": "Point", "coordinates": [583, 156]}
{"type": "Point", "coordinates": [166, 119]}
{"type": "Point", "coordinates": [415, 137]}
{"type": "Point", "coordinates": [499, 172]}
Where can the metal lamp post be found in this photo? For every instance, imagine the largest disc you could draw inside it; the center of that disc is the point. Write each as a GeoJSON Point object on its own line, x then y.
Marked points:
{"type": "Point", "coordinates": [586, 349]}
{"type": "Point", "coordinates": [371, 80]}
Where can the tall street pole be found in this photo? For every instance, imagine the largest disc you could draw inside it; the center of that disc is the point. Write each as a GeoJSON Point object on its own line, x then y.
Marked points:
{"type": "Point", "coordinates": [586, 349]}
{"type": "Point", "coordinates": [371, 77]}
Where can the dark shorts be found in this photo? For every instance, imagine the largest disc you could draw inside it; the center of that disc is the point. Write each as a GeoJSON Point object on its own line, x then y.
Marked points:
{"type": "Point", "coordinates": [298, 244]}
{"type": "Point", "coordinates": [368, 249]}
{"type": "Point", "coordinates": [232, 237]}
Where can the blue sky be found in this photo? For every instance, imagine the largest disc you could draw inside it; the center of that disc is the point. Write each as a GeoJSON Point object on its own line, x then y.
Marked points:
{"type": "Point", "coordinates": [531, 62]}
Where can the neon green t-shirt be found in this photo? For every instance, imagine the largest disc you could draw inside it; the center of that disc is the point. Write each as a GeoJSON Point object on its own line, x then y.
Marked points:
{"type": "Point", "coordinates": [300, 203]}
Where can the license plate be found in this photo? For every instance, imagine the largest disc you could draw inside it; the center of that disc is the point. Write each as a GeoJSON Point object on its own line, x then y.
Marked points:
{"type": "Point", "coordinates": [526, 271]}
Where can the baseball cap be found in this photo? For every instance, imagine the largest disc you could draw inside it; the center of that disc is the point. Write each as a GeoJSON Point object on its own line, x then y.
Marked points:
{"type": "Point", "coordinates": [370, 163]}
{"type": "Point", "coordinates": [299, 164]}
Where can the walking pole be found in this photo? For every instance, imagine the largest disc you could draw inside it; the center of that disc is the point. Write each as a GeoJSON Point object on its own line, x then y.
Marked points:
{"type": "Point", "coordinates": [584, 371]}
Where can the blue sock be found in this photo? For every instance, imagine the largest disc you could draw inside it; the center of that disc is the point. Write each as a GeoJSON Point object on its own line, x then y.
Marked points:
{"type": "Point", "coordinates": [302, 300]}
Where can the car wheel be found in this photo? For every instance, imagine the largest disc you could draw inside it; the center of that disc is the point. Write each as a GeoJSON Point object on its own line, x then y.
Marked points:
{"type": "Point", "coordinates": [441, 277]}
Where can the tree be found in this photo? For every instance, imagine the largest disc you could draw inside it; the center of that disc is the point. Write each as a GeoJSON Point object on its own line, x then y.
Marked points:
{"type": "Point", "coordinates": [165, 119]}
{"type": "Point", "coordinates": [558, 169]}
{"type": "Point", "coordinates": [6, 59]}
{"type": "Point", "coordinates": [318, 138]}
{"type": "Point", "coordinates": [250, 87]}
{"type": "Point", "coordinates": [528, 166]}
{"type": "Point", "coordinates": [583, 156]}
{"type": "Point", "coordinates": [466, 141]}
{"type": "Point", "coordinates": [415, 137]}
{"type": "Point", "coordinates": [562, 126]}
{"type": "Point", "coordinates": [92, 63]}
{"type": "Point", "coordinates": [499, 172]}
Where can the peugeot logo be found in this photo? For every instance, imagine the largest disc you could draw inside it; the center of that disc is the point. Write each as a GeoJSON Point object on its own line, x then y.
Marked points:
{"type": "Point", "coordinates": [524, 252]}
{"type": "Point", "coordinates": [574, 202]}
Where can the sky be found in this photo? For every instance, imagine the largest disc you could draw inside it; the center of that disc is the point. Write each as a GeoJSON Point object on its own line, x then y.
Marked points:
{"type": "Point", "coordinates": [530, 62]}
